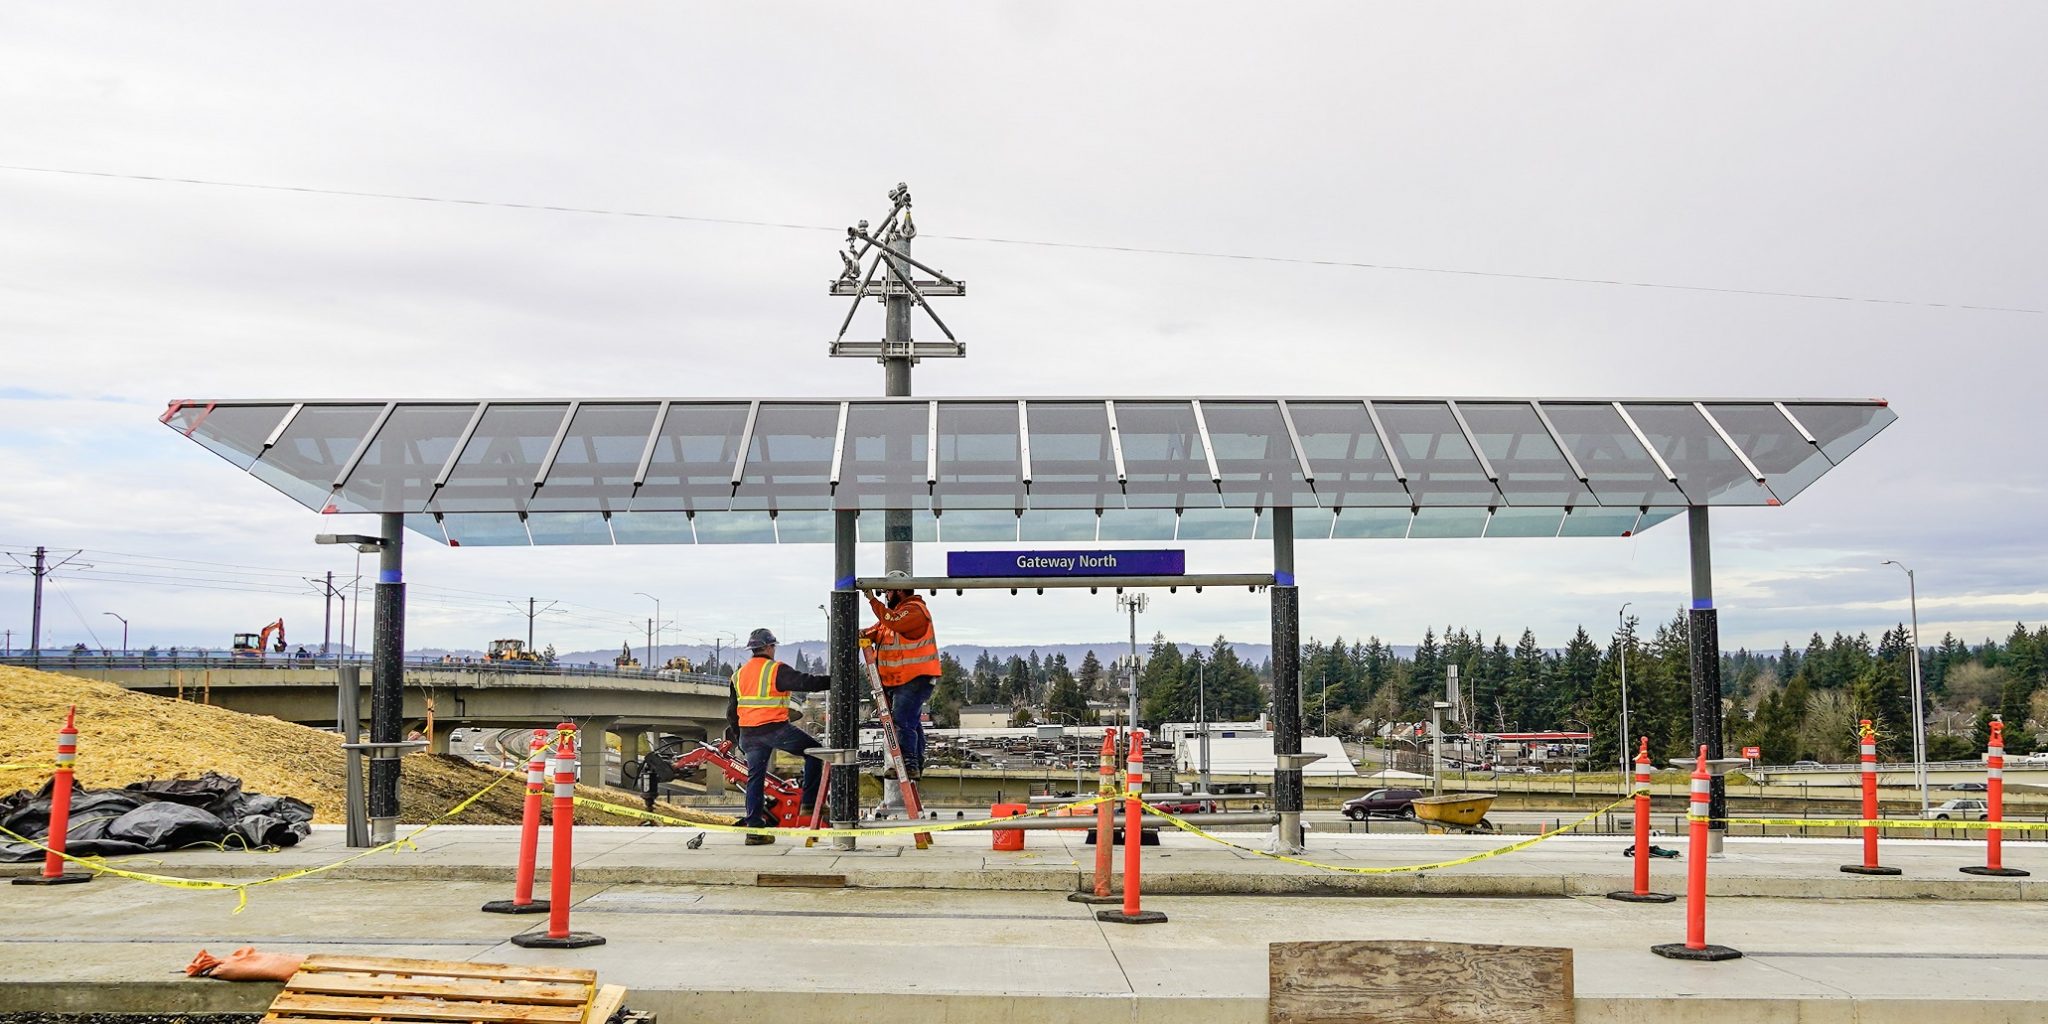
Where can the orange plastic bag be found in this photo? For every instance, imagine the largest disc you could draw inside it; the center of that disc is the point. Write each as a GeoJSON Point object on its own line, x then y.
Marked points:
{"type": "Point", "coordinates": [246, 964]}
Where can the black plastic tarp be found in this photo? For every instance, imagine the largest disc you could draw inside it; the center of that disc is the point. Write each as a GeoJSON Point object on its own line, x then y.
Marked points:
{"type": "Point", "coordinates": [156, 816]}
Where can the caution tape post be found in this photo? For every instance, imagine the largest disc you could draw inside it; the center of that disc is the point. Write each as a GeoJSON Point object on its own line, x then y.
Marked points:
{"type": "Point", "coordinates": [1695, 945]}
{"type": "Point", "coordinates": [1134, 836]}
{"type": "Point", "coordinates": [1641, 893]}
{"type": "Point", "coordinates": [1994, 809]}
{"type": "Point", "coordinates": [1105, 823]}
{"type": "Point", "coordinates": [522, 901]}
{"type": "Point", "coordinates": [60, 810]}
{"type": "Point", "coordinates": [1866, 740]}
{"type": "Point", "coordinates": [558, 935]}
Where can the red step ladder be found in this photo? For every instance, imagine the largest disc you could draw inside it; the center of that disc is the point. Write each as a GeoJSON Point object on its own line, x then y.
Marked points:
{"type": "Point", "coordinates": [892, 749]}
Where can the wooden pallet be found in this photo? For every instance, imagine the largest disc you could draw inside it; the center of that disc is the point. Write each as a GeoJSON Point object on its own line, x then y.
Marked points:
{"type": "Point", "coordinates": [395, 990]}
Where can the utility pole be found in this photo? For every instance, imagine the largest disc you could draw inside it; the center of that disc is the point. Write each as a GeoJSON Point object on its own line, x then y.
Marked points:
{"type": "Point", "coordinates": [40, 568]}
{"type": "Point", "coordinates": [1133, 603]}
{"type": "Point", "coordinates": [329, 595]}
{"type": "Point", "coordinates": [530, 612]}
{"type": "Point", "coordinates": [897, 352]}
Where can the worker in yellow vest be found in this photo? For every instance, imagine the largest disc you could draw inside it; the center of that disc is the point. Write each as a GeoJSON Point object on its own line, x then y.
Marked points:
{"type": "Point", "coordinates": [907, 659]}
{"type": "Point", "coordinates": [759, 722]}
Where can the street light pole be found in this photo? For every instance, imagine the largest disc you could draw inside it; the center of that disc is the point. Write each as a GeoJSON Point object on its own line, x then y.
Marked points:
{"type": "Point", "coordinates": [124, 633]}
{"type": "Point", "coordinates": [1621, 643]}
{"type": "Point", "coordinates": [1919, 724]}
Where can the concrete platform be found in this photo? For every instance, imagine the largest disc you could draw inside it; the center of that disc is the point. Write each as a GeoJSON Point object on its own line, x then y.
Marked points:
{"type": "Point", "coordinates": [706, 952]}
{"type": "Point", "coordinates": [1182, 865]}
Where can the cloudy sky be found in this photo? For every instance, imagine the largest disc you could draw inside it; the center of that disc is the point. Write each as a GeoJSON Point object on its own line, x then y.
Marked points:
{"type": "Point", "coordinates": [1889, 152]}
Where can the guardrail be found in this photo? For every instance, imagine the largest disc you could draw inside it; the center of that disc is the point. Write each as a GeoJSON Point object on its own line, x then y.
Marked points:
{"type": "Point", "coordinates": [222, 661]}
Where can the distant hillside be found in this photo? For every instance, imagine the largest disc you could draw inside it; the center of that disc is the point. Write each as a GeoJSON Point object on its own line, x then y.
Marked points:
{"type": "Point", "coordinates": [967, 654]}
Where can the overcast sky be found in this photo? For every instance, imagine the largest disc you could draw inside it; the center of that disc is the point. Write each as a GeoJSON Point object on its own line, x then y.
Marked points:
{"type": "Point", "coordinates": [1876, 151]}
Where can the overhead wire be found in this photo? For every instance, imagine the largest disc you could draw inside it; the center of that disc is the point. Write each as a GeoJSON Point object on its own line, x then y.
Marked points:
{"type": "Point", "coordinates": [1035, 242]}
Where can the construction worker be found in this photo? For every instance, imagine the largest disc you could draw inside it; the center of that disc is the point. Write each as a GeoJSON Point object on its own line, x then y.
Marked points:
{"type": "Point", "coordinates": [907, 658]}
{"type": "Point", "coordinates": [758, 722]}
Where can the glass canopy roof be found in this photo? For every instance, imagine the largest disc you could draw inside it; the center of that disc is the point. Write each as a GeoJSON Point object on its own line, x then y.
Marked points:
{"type": "Point", "coordinates": [704, 471]}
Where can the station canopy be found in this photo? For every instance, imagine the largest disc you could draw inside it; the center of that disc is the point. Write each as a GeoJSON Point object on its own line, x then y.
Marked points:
{"type": "Point", "coordinates": [772, 470]}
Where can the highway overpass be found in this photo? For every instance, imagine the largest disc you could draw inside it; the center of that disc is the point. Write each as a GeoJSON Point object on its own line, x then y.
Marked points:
{"type": "Point", "coordinates": [502, 695]}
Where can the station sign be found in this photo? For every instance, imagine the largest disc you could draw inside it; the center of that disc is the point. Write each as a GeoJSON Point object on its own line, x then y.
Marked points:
{"type": "Point", "coordinates": [1753, 753]}
{"type": "Point", "coordinates": [1144, 562]}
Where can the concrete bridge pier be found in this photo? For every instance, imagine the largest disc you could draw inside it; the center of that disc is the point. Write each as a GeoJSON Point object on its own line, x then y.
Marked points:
{"type": "Point", "coordinates": [591, 748]}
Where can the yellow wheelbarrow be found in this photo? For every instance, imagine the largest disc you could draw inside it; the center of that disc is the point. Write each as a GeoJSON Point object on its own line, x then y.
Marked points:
{"type": "Point", "coordinates": [1458, 812]}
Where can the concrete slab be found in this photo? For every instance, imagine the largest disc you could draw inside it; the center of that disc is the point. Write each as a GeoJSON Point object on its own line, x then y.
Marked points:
{"type": "Point", "coordinates": [1181, 865]}
{"type": "Point", "coordinates": [803, 955]}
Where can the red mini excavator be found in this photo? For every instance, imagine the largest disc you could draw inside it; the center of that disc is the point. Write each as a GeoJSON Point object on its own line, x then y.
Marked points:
{"type": "Point", "coordinates": [781, 798]}
{"type": "Point", "coordinates": [254, 645]}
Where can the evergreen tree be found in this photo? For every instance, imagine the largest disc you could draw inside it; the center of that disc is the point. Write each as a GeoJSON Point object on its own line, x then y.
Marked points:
{"type": "Point", "coordinates": [950, 693]}
{"type": "Point", "coordinates": [1525, 694]}
{"type": "Point", "coordinates": [1159, 683]}
{"type": "Point", "coordinates": [1017, 683]}
{"type": "Point", "coordinates": [1571, 694]}
{"type": "Point", "coordinates": [1064, 697]}
{"type": "Point", "coordinates": [1426, 670]}
{"type": "Point", "coordinates": [1090, 677]}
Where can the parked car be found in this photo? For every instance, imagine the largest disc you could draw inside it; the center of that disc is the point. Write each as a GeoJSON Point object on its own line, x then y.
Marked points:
{"type": "Point", "coordinates": [1960, 810]}
{"type": "Point", "coordinates": [1387, 802]}
{"type": "Point", "coordinates": [1806, 764]}
{"type": "Point", "coordinates": [1186, 806]}
{"type": "Point", "coordinates": [1968, 787]}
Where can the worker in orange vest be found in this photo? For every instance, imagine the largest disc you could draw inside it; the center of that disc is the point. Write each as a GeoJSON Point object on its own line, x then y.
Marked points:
{"type": "Point", "coordinates": [758, 721]}
{"type": "Point", "coordinates": [907, 658]}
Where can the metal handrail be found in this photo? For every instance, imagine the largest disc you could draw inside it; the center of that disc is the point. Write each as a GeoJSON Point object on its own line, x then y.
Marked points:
{"type": "Point", "coordinates": [216, 660]}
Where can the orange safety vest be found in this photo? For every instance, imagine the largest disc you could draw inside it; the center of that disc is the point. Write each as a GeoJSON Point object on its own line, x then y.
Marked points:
{"type": "Point", "coordinates": [899, 660]}
{"type": "Point", "coordinates": [761, 701]}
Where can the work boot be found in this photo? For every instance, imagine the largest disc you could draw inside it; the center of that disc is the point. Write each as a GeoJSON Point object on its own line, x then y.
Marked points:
{"type": "Point", "coordinates": [755, 840]}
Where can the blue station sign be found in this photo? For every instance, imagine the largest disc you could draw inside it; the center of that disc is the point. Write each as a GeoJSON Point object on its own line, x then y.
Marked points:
{"type": "Point", "coordinates": [1148, 562]}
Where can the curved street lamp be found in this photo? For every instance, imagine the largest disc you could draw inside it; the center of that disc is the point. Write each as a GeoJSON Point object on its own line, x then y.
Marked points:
{"type": "Point", "coordinates": [124, 632]}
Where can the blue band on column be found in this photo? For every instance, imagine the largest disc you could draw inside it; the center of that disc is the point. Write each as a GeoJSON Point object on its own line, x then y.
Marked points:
{"type": "Point", "coordinates": [1283, 579]}
{"type": "Point", "coordinates": [1702, 604]}
{"type": "Point", "coordinates": [391, 576]}
{"type": "Point", "coordinates": [843, 583]}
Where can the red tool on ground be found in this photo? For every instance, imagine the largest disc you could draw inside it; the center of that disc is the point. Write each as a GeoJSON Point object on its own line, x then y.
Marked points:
{"type": "Point", "coordinates": [781, 798]}
{"type": "Point", "coordinates": [1641, 893]}
{"type": "Point", "coordinates": [1867, 748]}
{"type": "Point", "coordinates": [1994, 808]}
{"type": "Point", "coordinates": [892, 749]}
{"type": "Point", "coordinates": [522, 901]}
{"type": "Point", "coordinates": [1695, 945]}
{"type": "Point", "coordinates": [60, 810]}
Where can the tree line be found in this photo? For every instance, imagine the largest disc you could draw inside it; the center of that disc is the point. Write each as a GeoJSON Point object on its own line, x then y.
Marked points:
{"type": "Point", "coordinates": [1794, 704]}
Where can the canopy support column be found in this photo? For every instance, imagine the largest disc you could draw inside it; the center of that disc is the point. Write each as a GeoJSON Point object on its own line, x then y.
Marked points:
{"type": "Point", "coordinates": [1703, 642]}
{"type": "Point", "coordinates": [1287, 795]}
{"type": "Point", "coordinates": [843, 705]}
{"type": "Point", "coordinates": [387, 678]}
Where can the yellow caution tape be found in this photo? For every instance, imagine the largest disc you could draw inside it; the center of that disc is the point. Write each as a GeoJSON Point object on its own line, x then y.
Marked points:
{"type": "Point", "coordinates": [1355, 869]}
{"type": "Point", "coordinates": [1974, 826]}
{"type": "Point", "coordinates": [890, 830]}
{"type": "Point", "coordinates": [99, 865]}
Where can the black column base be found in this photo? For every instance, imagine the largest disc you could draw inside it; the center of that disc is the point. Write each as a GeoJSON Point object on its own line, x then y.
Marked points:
{"type": "Point", "coordinates": [68, 878]}
{"type": "Point", "coordinates": [1859, 869]}
{"type": "Point", "coordinates": [1681, 951]}
{"type": "Point", "coordinates": [1631, 896]}
{"type": "Point", "coordinates": [509, 907]}
{"type": "Point", "coordinates": [542, 940]}
{"type": "Point", "coordinates": [1979, 869]}
{"type": "Point", "coordinates": [1089, 897]}
{"type": "Point", "coordinates": [1141, 917]}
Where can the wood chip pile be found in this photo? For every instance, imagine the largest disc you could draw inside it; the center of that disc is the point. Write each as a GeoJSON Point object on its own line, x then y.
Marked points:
{"type": "Point", "coordinates": [126, 737]}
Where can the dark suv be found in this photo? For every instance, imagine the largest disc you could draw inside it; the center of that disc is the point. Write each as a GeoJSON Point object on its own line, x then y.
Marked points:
{"type": "Point", "coordinates": [1383, 802]}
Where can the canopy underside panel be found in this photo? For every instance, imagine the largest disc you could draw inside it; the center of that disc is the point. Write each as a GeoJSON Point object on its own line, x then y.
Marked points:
{"type": "Point", "coordinates": [1052, 470]}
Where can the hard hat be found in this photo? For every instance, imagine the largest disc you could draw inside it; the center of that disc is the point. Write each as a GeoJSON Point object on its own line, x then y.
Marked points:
{"type": "Point", "coordinates": [759, 639]}
{"type": "Point", "coordinates": [896, 575]}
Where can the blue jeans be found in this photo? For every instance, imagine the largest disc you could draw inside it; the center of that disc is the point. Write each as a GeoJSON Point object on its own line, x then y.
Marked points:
{"type": "Point", "coordinates": [906, 706]}
{"type": "Point", "coordinates": [759, 744]}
